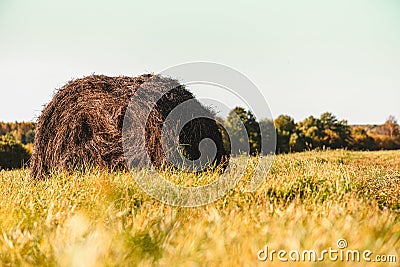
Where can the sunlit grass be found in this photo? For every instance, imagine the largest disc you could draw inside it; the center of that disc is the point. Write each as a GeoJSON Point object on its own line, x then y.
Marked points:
{"type": "Point", "coordinates": [309, 201]}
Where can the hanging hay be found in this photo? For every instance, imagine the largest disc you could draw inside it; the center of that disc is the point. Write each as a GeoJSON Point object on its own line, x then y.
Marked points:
{"type": "Point", "coordinates": [83, 125]}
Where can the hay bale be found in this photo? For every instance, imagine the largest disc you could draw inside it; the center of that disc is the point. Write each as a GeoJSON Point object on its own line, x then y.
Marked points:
{"type": "Point", "coordinates": [83, 125]}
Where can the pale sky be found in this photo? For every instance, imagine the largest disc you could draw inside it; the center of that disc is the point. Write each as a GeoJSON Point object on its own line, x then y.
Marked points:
{"type": "Point", "coordinates": [307, 57]}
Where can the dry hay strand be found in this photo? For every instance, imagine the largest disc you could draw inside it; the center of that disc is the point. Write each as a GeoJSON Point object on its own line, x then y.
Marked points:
{"type": "Point", "coordinates": [82, 125]}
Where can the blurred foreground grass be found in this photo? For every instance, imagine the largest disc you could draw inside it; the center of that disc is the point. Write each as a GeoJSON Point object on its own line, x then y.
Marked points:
{"type": "Point", "coordinates": [309, 201]}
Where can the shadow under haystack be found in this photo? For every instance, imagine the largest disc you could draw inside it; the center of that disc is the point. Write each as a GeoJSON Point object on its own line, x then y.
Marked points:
{"type": "Point", "coordinates": [83, 125]}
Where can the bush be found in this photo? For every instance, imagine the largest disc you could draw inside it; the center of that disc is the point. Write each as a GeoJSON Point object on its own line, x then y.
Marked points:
{"type": "Point", "coordinates": [13, 155]}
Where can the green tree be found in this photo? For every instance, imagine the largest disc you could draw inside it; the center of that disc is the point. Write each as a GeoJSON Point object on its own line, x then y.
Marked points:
{"type": "Point", "coordinates": [268, 136]}
{"type": "Point", "coordinates": [254, 133]}
{"type": "Point", "coordinates": [326, 131]}
{"type": "Point", "coordinates": [12, 153]}
{"type": "Point", "coordinates": [298, 142]}
{"type": "Point", "coordinates": [237, 118]}
{"type": "Point", "coordinates": [285, 127]}
{"type": "Point", "coordinates": [336, 134]}
{"type": "Point", "coordinates": [307, 135]}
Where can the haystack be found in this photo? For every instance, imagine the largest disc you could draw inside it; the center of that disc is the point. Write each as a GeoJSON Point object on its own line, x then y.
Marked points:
{"type": "Point", "coordinates": [83, 125]}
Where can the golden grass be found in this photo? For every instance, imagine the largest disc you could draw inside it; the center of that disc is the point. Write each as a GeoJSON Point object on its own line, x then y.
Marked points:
{"type": "Point", "coordinates": [309, 201]}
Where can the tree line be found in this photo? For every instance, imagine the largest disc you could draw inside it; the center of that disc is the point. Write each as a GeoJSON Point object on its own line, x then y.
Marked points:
{"type": "Point", "coordinates": [23, 132]}
{"type": "Point", "coordinates": [242, 129]}
{"type": "Point", "coordinates": [324, 132]}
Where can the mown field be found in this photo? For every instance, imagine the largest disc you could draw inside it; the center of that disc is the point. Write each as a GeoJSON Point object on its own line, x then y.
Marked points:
{"type": "Point", "coordinates": [309, 201]}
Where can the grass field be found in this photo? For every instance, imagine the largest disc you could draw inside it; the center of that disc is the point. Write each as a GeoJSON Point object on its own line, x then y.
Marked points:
{"type": "Point", "coordinates": [308, 202]}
